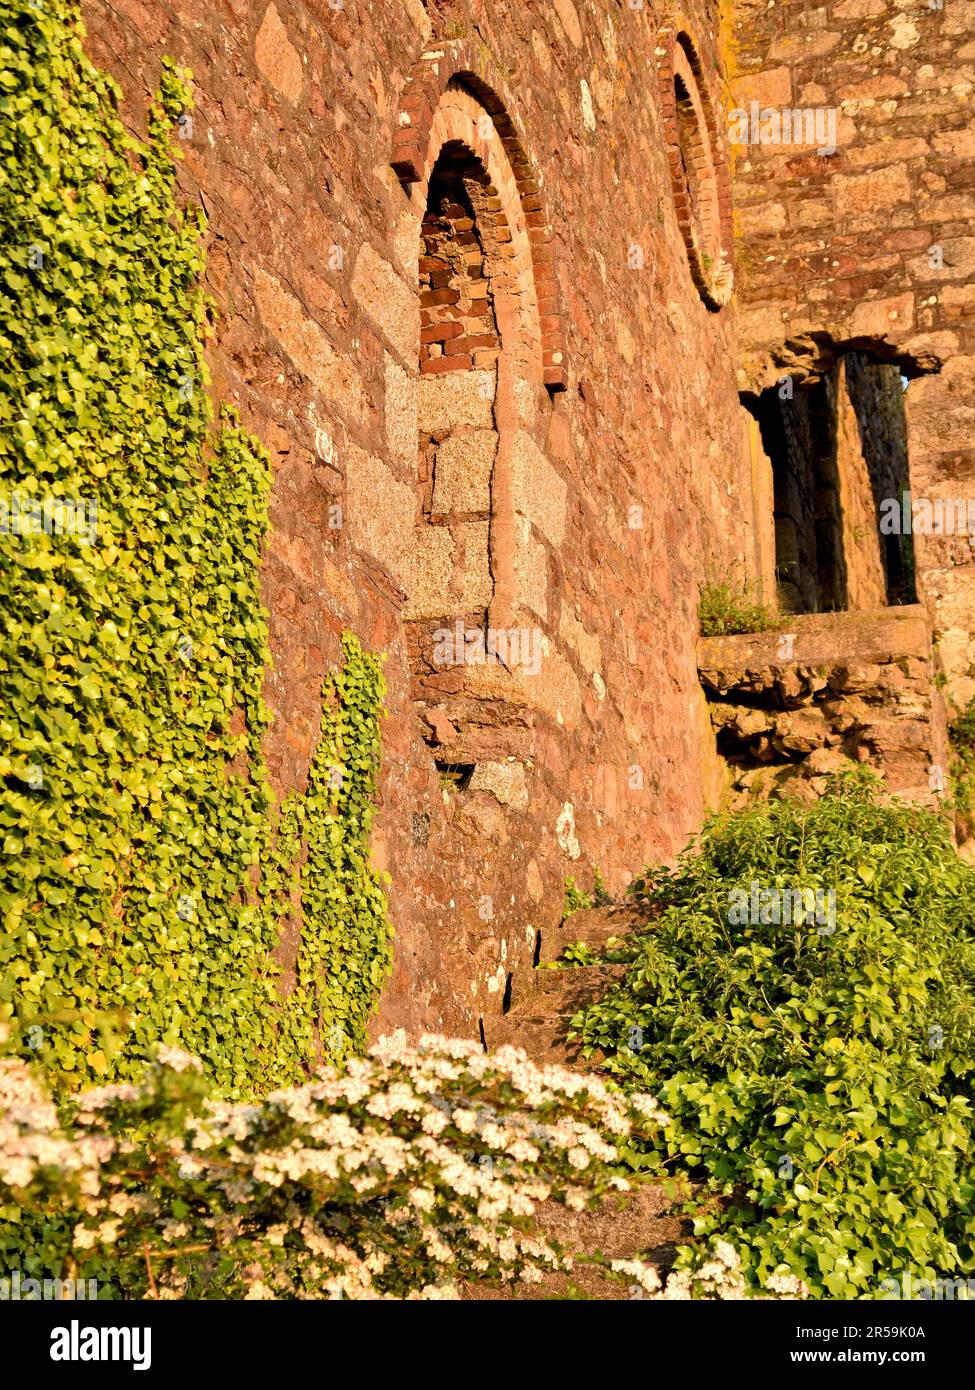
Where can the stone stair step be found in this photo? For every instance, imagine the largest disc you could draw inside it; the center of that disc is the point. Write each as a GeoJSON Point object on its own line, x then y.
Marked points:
{"type": "Point", "coordinates": [562, 991]}
{"type": "Point", "coordinates": [542, 1036]}
{"type": "Point", "coordinates": [595, 926]}
{"type": "Point", "coordinates": [595, 977]}
{"type": "Point", "coordinates": [644, 1223]}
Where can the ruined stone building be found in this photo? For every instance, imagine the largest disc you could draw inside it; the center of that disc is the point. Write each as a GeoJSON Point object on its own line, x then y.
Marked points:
{"type": "Point", "coordinates": [539, 349]}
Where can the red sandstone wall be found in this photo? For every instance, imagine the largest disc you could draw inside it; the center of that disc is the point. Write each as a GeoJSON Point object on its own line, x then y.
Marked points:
{"type": "Point", "coordinates": [290, 154]}
{"type": "Point", "coordinates": [873, 245]}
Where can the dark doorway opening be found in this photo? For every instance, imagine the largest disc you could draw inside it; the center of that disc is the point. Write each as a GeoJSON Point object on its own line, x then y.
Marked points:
{"type": "Point", "coordinates": [838, 449]}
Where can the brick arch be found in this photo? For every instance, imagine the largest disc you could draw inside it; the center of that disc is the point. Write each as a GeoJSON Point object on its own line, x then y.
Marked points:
{"type": "Point", "coordinates": [424, 125]}
{"type": "Point", "coordinates": [691, 132]}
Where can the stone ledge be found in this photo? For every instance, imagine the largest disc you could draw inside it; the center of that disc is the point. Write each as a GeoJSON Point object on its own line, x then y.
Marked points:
{"type": "Point", "coordinates": [875, 636]}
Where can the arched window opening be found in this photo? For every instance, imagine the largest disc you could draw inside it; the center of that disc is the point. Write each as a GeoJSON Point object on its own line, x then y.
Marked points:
{"type": "Point", "coordinates": [461, 273]}
{"type": "Point", "coordinates": [459, 327]}
{"type": "Point", "coordinates": [695, 158]}
{"type": "Point", "coordinates": [490, 345]}
{"type": "Point", "coordinates": [698, 167]}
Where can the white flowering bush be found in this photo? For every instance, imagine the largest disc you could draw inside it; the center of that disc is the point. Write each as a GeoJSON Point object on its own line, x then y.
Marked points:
{"type": "Point", "coordinates": [414, 1170]}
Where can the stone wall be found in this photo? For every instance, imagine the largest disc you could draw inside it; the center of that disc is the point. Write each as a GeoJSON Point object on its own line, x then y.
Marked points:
{"type": "Point", "coordinates": [477, 291]}
{"type": "Point", "coordinates": [609, 437]}
{"type": "Point", "coordinates": [871, 246]}
{"type": "Point", "coordinates": [825, 693]}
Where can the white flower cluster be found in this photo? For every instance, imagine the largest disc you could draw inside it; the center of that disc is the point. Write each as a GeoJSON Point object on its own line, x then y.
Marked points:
{"type": "Point", "coordinates": [31, 1141]}
{"type": "Point", "coordinates": [719, 1276]}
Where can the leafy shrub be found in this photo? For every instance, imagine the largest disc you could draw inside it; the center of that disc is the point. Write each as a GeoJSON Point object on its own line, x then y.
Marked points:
{"type": "Point", "coordinates": [725, 608]}
{"type": "Point", "coordinates": [818, 1078]}
{"type": "Point", "coordinates": [961, 733]}
{"type": "Point", "coordinates": [575, 954]}
{"type": "Point", "coordinates": [575, 900]}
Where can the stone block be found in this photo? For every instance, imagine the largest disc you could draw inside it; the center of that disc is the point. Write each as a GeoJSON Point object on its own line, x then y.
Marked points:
{"type": "Point", "coordinates": [430, 567]}
{"type": "Point", "coordinates": [506, 781]}
{"type": "Point", "coordinates": [278, 61]}
{"type": "Point", "coordinates": [388, 301]}
{"type": "Point", "coordinates": [538, 491]}
{"type": "Point", "coordinates": [462, 473]}
{"type": "Point", "coordinates": [400, 411]}
{"type": "Point", "coordinates": [456, 399]}
{"type": "Point", "coordinates": [873, 192]}
{"type": "Point", "coordinates": [304, 340]}
{"type": "Point", "coordinates": [380, 513]}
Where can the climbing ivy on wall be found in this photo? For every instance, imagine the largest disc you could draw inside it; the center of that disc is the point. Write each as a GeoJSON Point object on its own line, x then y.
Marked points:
{"type": "Point", "coordinates": [340, 893]}
{"type": "Point", "coordinates": [146, 870]}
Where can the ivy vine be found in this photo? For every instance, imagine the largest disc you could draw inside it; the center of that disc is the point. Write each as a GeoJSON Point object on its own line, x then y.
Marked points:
{"type": "Point", "coordinates": [147, 869]}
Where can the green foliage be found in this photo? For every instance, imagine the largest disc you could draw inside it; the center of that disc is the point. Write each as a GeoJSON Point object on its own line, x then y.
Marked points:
{"type": "Point", "coordinates": [347, 955]}
{"type": "Point", "coordinates": [818, 1078]}
{"type": "Point", "coordinates": [577, 953]}
{"type": "Point", "coordinates": [574, 900]}
{"type": "Point", "coordinates": [451, 779]}
{"type": "Point", "coordinates": [145, 881]}
{"type": "Point", "coordinates": [961, 733]}
{"type": "Point", "coordinates": [416, 1168]}
{"type": "Point", "coordinates": [725, 608]}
